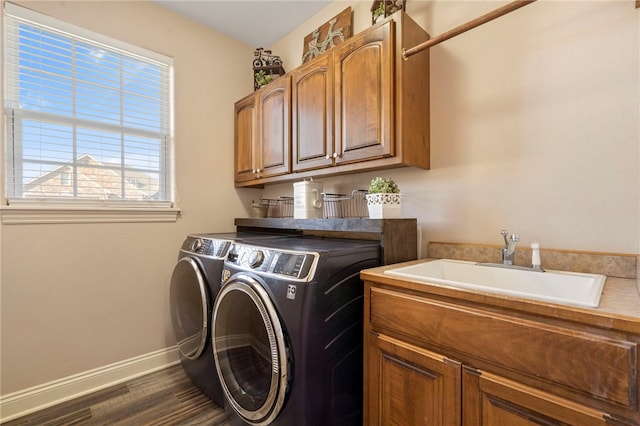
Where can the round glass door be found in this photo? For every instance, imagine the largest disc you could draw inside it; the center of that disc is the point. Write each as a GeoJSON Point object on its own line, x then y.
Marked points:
{"type": "Point", "coordinates": [189, 315]}
{"type": "Point", "coordinates": [250, 350]}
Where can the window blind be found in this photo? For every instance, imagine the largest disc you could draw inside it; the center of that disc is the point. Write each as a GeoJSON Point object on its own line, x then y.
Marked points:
{"type": "Point", "coordinates": [87, 118]}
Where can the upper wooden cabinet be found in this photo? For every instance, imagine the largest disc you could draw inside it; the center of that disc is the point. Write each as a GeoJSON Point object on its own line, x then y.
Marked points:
{"type": "Point", "coordinates": [245, 129]}
{"type": "Point", "coordinates": [357, 107]}
{"type": "Point", "coordinates": [263, 132]}
{"type": "Point", "coordinates": [364, 96]}
{"type": "Point", "coordinates": [342, 103]}
{"type": "Point", "coordinates": [312, 114]}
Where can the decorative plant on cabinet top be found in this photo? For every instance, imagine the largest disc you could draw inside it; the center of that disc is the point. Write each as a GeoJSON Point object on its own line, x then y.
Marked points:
{"type": "Point", "coordinates": [383, 199]}
{"type": "Point", "coordinates": [380, 9]}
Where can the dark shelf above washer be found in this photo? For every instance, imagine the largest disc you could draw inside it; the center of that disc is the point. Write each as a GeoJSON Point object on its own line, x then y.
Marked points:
{"type": "Point", "coordinates": [398, 237]}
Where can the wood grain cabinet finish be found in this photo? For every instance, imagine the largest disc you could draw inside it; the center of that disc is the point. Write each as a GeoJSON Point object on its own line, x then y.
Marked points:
{"type": "Point", "coordinates": [274, 130]}
{"type": "Point", "coordinates": [364, 75]}
{"type": "Point", "coordinates": [245, 130]}
{"type": "Point", "coordinates": [491, 400]}
{"type": "Point", "coordinates": [354, 82]}
{"type": "Point", "coordinates": [357, 107]}
{"type": "Point", "coordinates": [263, 132]}
{"type": "Point", "coordinates": [411, 386]}
{"type": "Point", "coordinates": [312, 114]}
{"type": "Point", "coordinates": [515, 369]}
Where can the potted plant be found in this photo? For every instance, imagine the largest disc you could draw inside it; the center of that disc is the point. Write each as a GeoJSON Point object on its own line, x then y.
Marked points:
{"type": "Point", "coordinates": [379, 12]}
{"type": "Point", "coordinates": [385, 8]}
{"type": "Point", "coordinates": [262, 78]}
{"type": "Point", "coordinates": [383, 199]}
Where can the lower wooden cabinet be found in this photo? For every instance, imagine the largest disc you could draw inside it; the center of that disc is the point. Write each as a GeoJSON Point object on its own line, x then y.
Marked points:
{"type": "Point", "coordinates": [432, 360]}
{"type": "Point", "coordinates": [489, 399]}
{"type": "Point", "coordinates": [408, 385]}
{"type": "Point", "coordinates": [411, 386]}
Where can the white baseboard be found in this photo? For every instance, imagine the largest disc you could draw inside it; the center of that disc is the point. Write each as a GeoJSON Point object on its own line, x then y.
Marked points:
{"type": "Point", "coordinates": [20, 403]}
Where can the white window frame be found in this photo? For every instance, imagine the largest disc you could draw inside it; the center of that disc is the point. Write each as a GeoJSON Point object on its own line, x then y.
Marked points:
{"type": "Point", "coordinates": [28, 211]}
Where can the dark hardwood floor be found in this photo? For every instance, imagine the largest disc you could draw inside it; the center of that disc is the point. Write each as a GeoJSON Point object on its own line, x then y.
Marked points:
{"type": "Point", "coordinates": [163, 398]}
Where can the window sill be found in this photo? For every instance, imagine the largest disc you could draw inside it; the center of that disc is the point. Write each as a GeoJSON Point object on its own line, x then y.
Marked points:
{"type": "Point", "coordinates": [13, 215]}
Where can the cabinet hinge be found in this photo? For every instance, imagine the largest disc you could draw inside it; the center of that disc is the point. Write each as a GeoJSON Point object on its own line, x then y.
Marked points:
{"type": "Point", "coordinates": [612, 419]}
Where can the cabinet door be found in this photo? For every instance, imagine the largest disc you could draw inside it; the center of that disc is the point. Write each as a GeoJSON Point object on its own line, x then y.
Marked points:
{"type": "Point", "coordinates": [245, 138]}
{"type": "Point", "coordinates": [312, 114]}
{"type": "Point", "coordinates": [495, 401]}
{"type": "Point", "coordinates": [410, 386]}
{"type": "Point", "coordinates": [274, 129]}
{"type": "Point", "coordinates": [364, 104]}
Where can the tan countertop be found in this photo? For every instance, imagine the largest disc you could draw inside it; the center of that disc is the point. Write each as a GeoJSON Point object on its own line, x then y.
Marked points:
{"type": "Point", "coordinates": [619, 307]}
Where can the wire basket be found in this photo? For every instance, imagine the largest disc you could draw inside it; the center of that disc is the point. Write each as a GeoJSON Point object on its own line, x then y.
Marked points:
{"type": "Point", "coordinates": [259, 209]}
{"type": "Point", "coordinates": [331, 205]}
{"type": "Point", "coordinates": [345, 206]}
{"type": "Point", "coordinates": [355, 205]}
{"type": "Point", "coordinates": [272, 207]}
{"type": "Point", "coordinates": [285, 206]}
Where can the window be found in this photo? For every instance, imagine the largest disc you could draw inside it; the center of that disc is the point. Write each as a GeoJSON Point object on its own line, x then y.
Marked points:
{"type": "Point", "coordinates": [88, 119]}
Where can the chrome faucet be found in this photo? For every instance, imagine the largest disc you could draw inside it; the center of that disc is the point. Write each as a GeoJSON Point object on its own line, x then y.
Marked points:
{"type": "Point", "coordinates": [508, 252]}
{"type": "Point", "coordinates": [509, 247]}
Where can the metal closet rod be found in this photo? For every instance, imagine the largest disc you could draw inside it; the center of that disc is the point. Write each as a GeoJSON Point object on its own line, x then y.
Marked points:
{"type": "Point", "coordinates": [508, 8]}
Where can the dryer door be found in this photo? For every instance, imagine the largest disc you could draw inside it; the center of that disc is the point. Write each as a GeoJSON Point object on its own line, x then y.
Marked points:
{"type": "Point", "coordinates": [189, 307]}
{"type": "Point", "coordinates": [250, 350]}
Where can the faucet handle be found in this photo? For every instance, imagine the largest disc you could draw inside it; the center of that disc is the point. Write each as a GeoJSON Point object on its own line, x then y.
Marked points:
{"type": "Point", "coordinates": [513, 237]}
{"type": "Point", "coordinates": [504, 234]}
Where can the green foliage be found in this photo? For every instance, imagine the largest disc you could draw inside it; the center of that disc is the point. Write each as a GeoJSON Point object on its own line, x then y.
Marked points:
{"type": "Point", "coordinates": [384, 186]}
{"type": "Point", "coordinates": [262, 78]}
{"type": "Point", "coordinates": [385, 9]}
{"type": "Point", "coordinates": [379, 11]}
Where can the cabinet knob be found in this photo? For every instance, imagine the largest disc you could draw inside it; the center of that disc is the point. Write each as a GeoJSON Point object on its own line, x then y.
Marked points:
{"type": "Point", "coordinates": [335, 155]}
{"type": "Point", "coordinates": [328, 157]}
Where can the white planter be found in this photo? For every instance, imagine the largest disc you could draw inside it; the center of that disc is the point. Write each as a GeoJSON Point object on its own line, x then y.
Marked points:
{"type": "Point", "coordinates": [384, 206]}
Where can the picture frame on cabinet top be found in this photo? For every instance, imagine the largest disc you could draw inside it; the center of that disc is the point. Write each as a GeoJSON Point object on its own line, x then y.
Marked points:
{"type": "Point", "coordinates": [328, 35]}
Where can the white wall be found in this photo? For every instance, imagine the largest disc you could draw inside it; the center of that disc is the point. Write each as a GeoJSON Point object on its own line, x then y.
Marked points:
{"type": "Point", "coordinates": [535, 124]}
{"type": "Point", "coordinates": [81, 296]}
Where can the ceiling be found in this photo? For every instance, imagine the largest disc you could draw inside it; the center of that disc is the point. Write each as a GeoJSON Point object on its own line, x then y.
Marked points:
{"type": "Point", "coordinates": [259, 23]}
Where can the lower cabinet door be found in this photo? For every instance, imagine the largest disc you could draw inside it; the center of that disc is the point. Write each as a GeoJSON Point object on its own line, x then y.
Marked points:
{"type": "Point", "coordinates": [496, 401]}
{"type": "Point", "coordinates": [410, 386]}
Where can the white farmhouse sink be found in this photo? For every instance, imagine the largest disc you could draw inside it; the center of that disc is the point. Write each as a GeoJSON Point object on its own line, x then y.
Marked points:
{"type": "Point", "coordinates": [568, 288]}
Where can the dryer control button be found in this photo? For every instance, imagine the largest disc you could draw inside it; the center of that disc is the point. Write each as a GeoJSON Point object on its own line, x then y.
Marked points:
{"type": "Point", "coordinates": [196, 244]}
{"type": "Point", "coordinates": [256, 258]}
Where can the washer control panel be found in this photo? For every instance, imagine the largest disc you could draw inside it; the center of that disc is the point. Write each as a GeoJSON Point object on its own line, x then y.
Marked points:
{"type": "Point", "coordinates": [208, 247]}
{"type": "Point", "coordinates": [288, 264]}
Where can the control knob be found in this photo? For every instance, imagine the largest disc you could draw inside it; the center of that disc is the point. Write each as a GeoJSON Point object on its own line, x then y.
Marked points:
{"type": "Point", "coordinates": [233, 255]}
{"type": "Point", "coordinates": [196, 244]}
{"type": "Point", "coordinates": [256, 258]}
